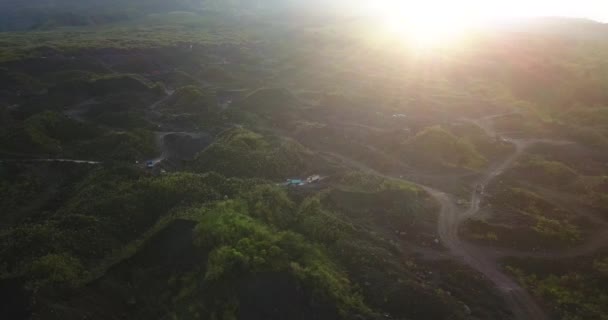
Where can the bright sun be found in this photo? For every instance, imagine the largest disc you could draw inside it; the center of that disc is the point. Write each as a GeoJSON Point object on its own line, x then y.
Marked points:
{"type": "Point", "coordinates": [425, 25]}
{"type": "Point", "coordinates": [425, 33]}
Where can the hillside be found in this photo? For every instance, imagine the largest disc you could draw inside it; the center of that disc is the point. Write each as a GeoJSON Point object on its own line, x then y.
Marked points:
{"type": "Point", "coordinates": [43, 14]}
{"type": "Point", "coordinates": [263, 161]}
{"type": "Point", "coordinates": [435, 146]}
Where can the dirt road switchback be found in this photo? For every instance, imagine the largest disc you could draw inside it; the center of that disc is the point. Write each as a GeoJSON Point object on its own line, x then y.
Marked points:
{"type": "Point", "coordinates": [520, 302]}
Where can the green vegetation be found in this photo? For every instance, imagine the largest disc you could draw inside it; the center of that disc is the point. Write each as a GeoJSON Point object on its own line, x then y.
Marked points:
{"type": "Point", "coordinates": [45, 133]}
{"type": "Point", "coordinates": [360, 181]}
{"type": "Point", "coordinates": [30, 190]}
{"type": "Point", "coordinates": [547, 173]}
{"type": "Point", "coordinates": [17, 193]}
{"type": "Point", "coordinates": [121, 120]}
{"type": "Point", "coordinates": [268, 108]}
{"type": "Point", "coordinates": [18, 81]}
{"type": "Point", "coordinates": [189, 99]}
{"type": "Point", "coordinates": [587, 125]}
{"type": "Point", "coordinates": [551, 221]}
{"type": "Point", "coordinates": [56, 269]}
{"type": "Point", "coordinates": [596, 192]}
{"type": "Point", "coordinates": [589, 117]}
{"type": "Point", "coordinates": [270, 102]}
{"type": "Point", "coordinates": [239, 246]}
{"type": "Point", "coordinates": [573, 289]}
{"type": "Point", "coordinates": [35, 14]}
{"type": "Point", "coordinates": [590, 137]}
{"type": "Point", "coordinates": [170, 30]}
{"type": "Point", "coordinates": [265, 158]}
{"type": "Point", "coordinates": [247, 230]}
{"type": "Point", "coordinates": [107, 209]}
{"type": "Point", "coordinates": [259, 96]}
{"type": "Point", "coordinates": [127, 146]}
{"type": "Point", "coordinates": [437, 146]}
{"type": "Point", "coordinates": [489, 147]}
{"type": "Point", "coordinates": [525, 219]}
{"type": "Point", "coordinates": [50, 133]}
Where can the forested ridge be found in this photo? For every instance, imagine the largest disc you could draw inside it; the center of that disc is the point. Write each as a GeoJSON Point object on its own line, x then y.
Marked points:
{"type": "Point", "coordinates": [224, 160]}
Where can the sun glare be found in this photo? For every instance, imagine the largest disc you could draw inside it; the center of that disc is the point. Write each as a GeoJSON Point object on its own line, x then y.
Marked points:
{"type": "Point", "coordinates": [426, 25]}
{"type": "Point", "coordinates": [425, 32]}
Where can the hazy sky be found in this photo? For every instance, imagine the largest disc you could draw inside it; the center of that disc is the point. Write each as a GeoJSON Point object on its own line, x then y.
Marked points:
{"type": "Point", "coordinates": [592, 9]}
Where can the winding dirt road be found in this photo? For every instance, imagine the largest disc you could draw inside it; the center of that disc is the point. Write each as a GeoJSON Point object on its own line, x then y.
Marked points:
{"type": "Point", "coordinates": [518, 299]}
{"type": "Point", "coordinates": [520, 302]}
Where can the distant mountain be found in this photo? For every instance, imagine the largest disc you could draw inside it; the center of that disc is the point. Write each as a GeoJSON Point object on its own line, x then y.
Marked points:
{"type": "Point", "coordinates": [576, 27]}
{"type": "Point", "coordinates": [23, 15]}
{"type": "Point", "coordinates": [40, 14]}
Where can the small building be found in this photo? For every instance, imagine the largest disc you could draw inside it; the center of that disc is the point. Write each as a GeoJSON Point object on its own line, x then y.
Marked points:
{"type": "Point", "coordinates": [313, 179]}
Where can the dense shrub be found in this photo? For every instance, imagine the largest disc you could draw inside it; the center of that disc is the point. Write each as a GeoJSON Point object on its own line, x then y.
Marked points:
{"type": "Point", "coordinates": [437, 146]}
{"type": "Point", "coordinates": [242, 153]}
{"type": "Point", "coordinates": [572, 289]}
{"type": "Point", "coordinates": [240, 245]}
{"type": "Point", "coordinates": [549, 173]}
{"type": "Point", "coordinates": [56, 269]}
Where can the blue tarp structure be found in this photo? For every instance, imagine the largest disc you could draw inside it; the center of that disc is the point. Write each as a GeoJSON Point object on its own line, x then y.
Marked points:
{"type": "Point", "coordinates": [294, 182]}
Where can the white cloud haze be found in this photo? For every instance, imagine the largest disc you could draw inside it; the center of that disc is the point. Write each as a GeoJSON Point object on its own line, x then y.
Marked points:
{"type": "Point", "coordinates": [591, 9]}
